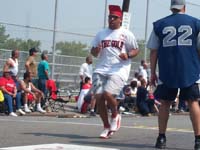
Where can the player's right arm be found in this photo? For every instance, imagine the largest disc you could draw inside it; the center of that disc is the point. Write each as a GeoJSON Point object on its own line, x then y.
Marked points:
{"type": "Point", "coordinates": [95, 50]}
{"type": "Point", "coordinates": [153, 44]}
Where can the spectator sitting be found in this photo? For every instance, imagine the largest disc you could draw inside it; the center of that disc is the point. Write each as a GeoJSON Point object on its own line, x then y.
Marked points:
{"type": "Point", "coordinates": [30, 92]}
{"type": "Point", "coordinates": [144, 106]}
{"type": "Point", "coordinates": [9, 90]}
{"type": "Point", "coordinates": [130, 92]}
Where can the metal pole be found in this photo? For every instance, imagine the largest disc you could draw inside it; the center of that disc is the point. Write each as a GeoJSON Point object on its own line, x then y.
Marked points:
{"type": "Point", "coordinates": [146, 28]}
{"type": "Point", "coordinates": [125, 5]}
{"type": "Point", "coordinates": [54, 37]}
{"type": "Point", "coordinates": [105, 14]}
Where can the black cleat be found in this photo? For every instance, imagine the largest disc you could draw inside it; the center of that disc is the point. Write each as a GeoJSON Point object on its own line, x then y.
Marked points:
{"type": "Point", "coordinates": [197, 145]}
{"type": "Point", "coordinates": [161, 142]}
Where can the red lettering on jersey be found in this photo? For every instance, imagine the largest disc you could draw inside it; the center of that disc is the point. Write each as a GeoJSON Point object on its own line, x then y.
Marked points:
{"type": "Point", "coordinates": [108, 43]}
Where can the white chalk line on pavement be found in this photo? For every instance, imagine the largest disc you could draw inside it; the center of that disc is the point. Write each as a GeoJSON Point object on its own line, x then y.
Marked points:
{"type": "Point", "coordinates": [93, 124]}
{"type": "Point", "coordinates": [57, 146]}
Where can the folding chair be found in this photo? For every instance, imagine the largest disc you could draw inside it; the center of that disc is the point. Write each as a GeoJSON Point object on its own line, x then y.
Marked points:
{"type": "Point", "coordinates": [54, 100]}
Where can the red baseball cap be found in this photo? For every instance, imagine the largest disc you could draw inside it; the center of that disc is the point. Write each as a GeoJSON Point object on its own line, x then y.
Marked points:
{"type": "Point", "coordinates": [115, 10]}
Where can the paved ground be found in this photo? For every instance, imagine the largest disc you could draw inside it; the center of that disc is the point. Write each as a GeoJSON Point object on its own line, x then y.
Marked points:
{"type": "Point", "coordinates": [136, 133]}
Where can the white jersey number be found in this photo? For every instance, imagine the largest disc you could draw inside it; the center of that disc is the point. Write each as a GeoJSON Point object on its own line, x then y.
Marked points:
{"type": "Point", "coordinates": [170, 31]}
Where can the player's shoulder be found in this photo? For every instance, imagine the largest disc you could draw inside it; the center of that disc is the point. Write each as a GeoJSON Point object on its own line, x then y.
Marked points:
{"type": "Point", "coordinates": [127, 32]}
{"type": "Point", "coordinates": [104, 30]}
{"type": "Point", "coordinates": [162, 19]}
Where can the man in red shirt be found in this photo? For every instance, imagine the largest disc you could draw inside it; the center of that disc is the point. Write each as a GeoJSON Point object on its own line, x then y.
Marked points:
{"type": "Point", "coordinates": [8, 87]}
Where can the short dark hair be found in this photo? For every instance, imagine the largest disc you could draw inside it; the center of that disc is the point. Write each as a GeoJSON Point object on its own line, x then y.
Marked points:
{"type": "Point", "coordinates": [133, 84]}
{"type": "Point", "coordinates": [32, 50]}
{"type": "Point", "coordinates": [27, 74]}
{"type": "Point", "coordinates": [142, 62]}
{"type": "Point", "coordinates": [87, 79]}
{"type": "Point", "coordinates": [13, 52]}
{"type": "Point", "coordinates": [42, 56]}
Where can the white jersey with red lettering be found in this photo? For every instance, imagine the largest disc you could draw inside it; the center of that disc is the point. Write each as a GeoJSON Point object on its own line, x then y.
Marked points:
{"type": "Point", "coordinates": [113, 43]}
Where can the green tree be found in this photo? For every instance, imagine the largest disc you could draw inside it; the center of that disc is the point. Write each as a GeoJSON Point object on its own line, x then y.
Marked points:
{"type": "Point", "coordinates": [140, 56]}
{"type": "Point", "coordinates": [3, 36]}
{"type": "Point", "coordinates": [72, 48]}
{"type": "Point", "coordinates": [20, 44]}
{"type": "Point", "coordinates": [10, 43]}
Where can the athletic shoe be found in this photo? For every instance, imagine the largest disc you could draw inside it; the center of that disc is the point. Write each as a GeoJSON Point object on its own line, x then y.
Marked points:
{"type": "Point", "coordinates": [21, 111]}
{"type": "Point", "coordinates": [27, 110]}
{"type": "Point", "coordinates": [197, 145]}
{"type": "Point", "coordinates": [115, 123]}
{"type": "Point", "coordinates": [92, 113]}
{"type": "Point", "coordinates": [13, 114]}
{"type": "Point", "coordinates": [39, 109]}
{"type": "Point", "coordinates": [161, 142]}
{"type": "Point", "coordinates": [121, 109]}
{"type": "Point", "coordinates": [106, 133]}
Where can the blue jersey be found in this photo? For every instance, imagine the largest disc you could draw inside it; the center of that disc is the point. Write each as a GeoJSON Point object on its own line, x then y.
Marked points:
{"type": "Point", "coordinates": [178, 59]}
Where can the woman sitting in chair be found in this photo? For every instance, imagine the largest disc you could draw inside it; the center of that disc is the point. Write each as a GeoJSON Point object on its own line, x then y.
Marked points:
{"type": "Point", "coordinates": [31, 93]}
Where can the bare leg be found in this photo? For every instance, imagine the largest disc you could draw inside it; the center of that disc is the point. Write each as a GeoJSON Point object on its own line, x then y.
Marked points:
{"type": "Point", "coordinates": [163, 116]}
{"type": "Point", "coordinates": [112, 102]}
{"type": "Point", "coordinates": [102, 109]}
{"type": "Point", "coordinates": [194, 116]}
{"type": "Point", "coordinates": [93, 103]}
{"type": "Point", "coordinates": [25, 95]}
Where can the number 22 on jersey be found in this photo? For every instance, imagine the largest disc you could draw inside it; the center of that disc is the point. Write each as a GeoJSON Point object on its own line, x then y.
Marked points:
{"type": "Point", "coordinates": [183, 39]}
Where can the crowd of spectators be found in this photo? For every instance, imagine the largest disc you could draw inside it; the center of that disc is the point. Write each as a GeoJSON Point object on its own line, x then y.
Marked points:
{"type": "Point", "coordinates": [19, 95]}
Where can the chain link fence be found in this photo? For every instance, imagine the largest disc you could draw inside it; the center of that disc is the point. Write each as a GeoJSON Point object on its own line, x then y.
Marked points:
{"type": "Point", "coordinates": [66, 67]}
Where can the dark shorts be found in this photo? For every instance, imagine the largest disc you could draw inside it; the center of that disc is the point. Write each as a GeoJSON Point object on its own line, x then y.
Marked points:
{"type": "Point", "coordinates": [189, 93]}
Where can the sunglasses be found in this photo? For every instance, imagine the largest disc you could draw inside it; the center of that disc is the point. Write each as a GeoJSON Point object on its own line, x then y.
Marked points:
{"type": "Point", "coordinates": [113, 17]}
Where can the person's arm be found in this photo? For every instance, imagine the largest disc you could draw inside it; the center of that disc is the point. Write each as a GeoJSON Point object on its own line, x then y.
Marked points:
{"type": "Point", "coordinates": [15, 92]}
{"type": "Point", "coordinates": [4, 90]}
{"type": "Point", "coordinates": [153, 45]}
{"type": "Point", "coordinates": [81, 73]}
{"type": "Point", "coordinates": [23, 87]}
{"type": "Point", "coordinates": [95, 50]}
{"type": "Point", "coordinates": [46, 69]}
{"type": "Point", "coordinates": [7, 65]}
{"type": "Point", "coordinates": [131, 47]}
{"type": "Point", "coordinates": [27, 64]}
{"type": "Point", "coordinates": [198, 44]}
{"type": "Point", "coordinates": [153, 62]}
{"type": "Point", "coordinates": [34, 89]}
{"type": "Point", "coordinates": [47, 74]}
{"type": "Point", "coordinates": [129, 55]}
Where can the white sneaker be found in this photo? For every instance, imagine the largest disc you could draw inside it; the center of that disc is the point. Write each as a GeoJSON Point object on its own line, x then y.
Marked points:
{"type": "Point", "coordinates": [13, 114]}
{"type": "Point", "coordinates": [41, 110]}
{"type": "Point", "coordinates": [106, 133]}
{"type": "Point", "coordinates": [21, 112]}
{"type": "Point", "coordinates": [27, 110]}
{"type": "Point", "coordinates": [115, 123]}
{"type": "Point", "coordinates": [121, 109]}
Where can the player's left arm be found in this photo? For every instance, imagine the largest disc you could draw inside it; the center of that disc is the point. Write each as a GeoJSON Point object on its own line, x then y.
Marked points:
{"type": "Point", "coordinates": [131, 46]}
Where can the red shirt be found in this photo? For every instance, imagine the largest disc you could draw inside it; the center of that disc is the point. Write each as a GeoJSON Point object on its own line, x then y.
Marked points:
{"type": "Point", "coordinates": [86, 86]}
{"type": "Point", "coordinates": [9, 84]}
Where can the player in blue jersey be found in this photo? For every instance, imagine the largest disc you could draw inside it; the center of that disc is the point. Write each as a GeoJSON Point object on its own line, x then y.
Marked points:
{"type": "Point", "coordinates": [175, 46]}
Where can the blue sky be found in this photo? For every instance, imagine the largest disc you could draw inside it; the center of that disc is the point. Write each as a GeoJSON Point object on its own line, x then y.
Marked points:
{"type": "Point", "coordinates": [78, 16]}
